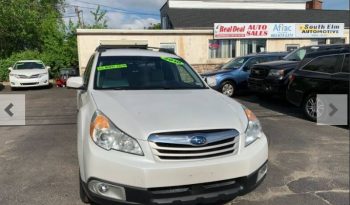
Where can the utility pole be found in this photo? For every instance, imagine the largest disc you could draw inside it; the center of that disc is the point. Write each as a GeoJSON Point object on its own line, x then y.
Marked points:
{"type": "Point", "coordinates": [80, 22]}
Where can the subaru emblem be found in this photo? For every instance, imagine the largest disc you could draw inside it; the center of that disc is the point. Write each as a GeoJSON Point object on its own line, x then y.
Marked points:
{"type": "Point", "coordinates": [198, 140]}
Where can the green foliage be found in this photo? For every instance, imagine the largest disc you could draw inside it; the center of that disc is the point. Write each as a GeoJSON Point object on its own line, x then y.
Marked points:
{"type": "Point", "coordinates": [156, 26]}
{"type": "Point", "coordinates": [34, 29]}
{"type": "Point", "coordinates": [99, 19]}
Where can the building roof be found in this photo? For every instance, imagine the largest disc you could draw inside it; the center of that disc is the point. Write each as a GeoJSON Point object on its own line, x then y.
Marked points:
{"type": "Point", "coordinates": [205, 18]}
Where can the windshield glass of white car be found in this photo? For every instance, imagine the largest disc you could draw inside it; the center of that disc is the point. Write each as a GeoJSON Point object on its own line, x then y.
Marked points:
{"type": "Point", "coordinates": [28, 65]}
{"type": "Point", "coordinates": [142, 73]}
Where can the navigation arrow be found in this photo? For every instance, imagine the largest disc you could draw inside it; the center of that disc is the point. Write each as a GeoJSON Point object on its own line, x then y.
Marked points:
{"type": "Point", "coordinates": [334, 110]}
{"type": "Point", "coordinates": [8, 109]}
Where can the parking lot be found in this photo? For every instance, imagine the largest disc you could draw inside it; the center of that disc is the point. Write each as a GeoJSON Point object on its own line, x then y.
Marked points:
{"type": "Point", "coordinates": [308, 164]}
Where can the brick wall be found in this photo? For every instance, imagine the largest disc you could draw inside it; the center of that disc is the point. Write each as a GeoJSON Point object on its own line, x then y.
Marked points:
{"type": "Point", "coordinates": [314, 4]}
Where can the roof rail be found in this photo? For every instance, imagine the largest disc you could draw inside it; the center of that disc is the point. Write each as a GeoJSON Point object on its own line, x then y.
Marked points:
{"type": "Point", "coordinates": [120, 44]}
{"type": "Point", "coordinates": [112, 44]}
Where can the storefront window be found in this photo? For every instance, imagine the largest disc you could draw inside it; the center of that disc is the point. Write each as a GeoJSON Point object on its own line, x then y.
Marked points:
{"type": "Point", "coordinates": [292, 47]}
{"type": "Point", "coordinates": [171, 47]}
{"type": "Point", "coordinates": [222, 48]}
{"type": "Point", "coordinates": [252, 46]}
{"type": "Point", "coordinates": [337, 41]}
{"type": "Point", "coordinates": [319, 41]}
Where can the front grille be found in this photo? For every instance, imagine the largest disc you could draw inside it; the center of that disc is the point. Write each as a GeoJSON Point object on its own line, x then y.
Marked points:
{"type": "Point", "coordinates": [28, 77]}
{"type": "Point", "coordinates": [259, 72]}
{"type": "Point", "coordinates": [178, 146]}
{"type": "Point", "coordinates": [29, 83]}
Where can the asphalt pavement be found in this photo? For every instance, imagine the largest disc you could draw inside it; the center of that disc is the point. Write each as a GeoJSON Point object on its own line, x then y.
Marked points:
{"type": "Point", "coordinates": [308, 164]}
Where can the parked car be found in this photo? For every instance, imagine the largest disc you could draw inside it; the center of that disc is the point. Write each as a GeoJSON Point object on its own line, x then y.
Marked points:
{"type": "Point", "coordinates": [150, 131]}
{"type": "Point", "coordinates": [325, 72]}
{"type": "Point", "coordinates": [273, 77]}
{"type": "Point", "coordinates": [64, 74]}
{"type": "Point", "coordinates": [233, 76]}
{"type": "Point", "coordinates": [29, 73]}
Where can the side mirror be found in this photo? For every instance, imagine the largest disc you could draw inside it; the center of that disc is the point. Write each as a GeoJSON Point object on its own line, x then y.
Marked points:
{"type": "Point", "coordinates": [246, 68]}
{"type": "Point", "coordinates": [10, 68]}
{"type": "Point", "coordinates": [48, 67]}
{"type": "Point", "coordinates": [75, 82]}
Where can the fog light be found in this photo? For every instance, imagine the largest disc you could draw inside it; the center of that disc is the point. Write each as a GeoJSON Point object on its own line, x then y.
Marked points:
{"type": "Point", "coordinates": [107, 190]}
{"type": "Point", "coordinates": [103, 188]}
{"type": "Point", "coordinates": [262, 172]}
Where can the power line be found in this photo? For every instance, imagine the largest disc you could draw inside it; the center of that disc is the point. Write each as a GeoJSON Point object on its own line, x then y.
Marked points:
{"type": "Point", "coordinates": [112, 9]}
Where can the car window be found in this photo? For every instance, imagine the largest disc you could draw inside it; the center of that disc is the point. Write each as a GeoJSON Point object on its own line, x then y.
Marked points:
{"type": "Point", "coordinates": [254, 61]}
{"type": "Point", "coordinates": [325, 64]}
{"type": "Point", "coordinates": [235, 63]}
{"type": "Point", "coordinates": [88, 71]}
{"type": "Point", "coordinates": [28, 65]}
{"type": "Point", "coordinates": [346, 68]}
{"type": "Point", "coordinates": [142, 73]}
{"type": "Point", "coordinates": [298, 55]}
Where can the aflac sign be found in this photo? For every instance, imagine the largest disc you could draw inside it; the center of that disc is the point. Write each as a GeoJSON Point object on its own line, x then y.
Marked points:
{"type": "Point", "coordinates": [282, 30]}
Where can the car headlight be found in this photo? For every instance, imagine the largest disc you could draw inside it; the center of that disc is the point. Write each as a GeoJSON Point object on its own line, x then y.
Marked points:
{"type": "Point", "coordinates": [211, 80]}
{"type": "Point", "coordinates": [277, 74]}
{"type": "Point", "coordinates": [254, 130]}
{"type": "Point", "coordinates": [107, 136]}
{"type": "Point", "coordinates": [14, 75]}
{"type": "Point", "coordinates": [42, 75]}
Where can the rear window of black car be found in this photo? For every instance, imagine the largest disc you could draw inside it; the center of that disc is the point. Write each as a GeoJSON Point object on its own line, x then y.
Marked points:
{"type": "Point", "coordinates": [325, 64]}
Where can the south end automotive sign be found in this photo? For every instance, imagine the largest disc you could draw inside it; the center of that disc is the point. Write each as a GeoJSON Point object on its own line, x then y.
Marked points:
{"type": "Point", "coordinates": [278, 30]}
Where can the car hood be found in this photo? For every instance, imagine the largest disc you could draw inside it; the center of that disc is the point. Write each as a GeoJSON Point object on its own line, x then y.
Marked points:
{"type": "Point", "coordinates": [280, 64]}
{"type": "Point", "coordinates": [217, 72]}
{"type": "Point", "coordinates": [29, 72]}
{"type": "Point", "coordinates": [141, 113]}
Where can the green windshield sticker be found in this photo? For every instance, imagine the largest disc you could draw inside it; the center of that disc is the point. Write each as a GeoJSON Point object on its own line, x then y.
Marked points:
{"type": "Point", "coordinates": [112, 67]}
{"type": "Point", "coordinates": [172, 60]}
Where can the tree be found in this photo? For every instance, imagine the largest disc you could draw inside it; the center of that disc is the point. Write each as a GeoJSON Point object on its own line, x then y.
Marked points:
{"type": "Point", "coordinates": [99, 19]}
{"type": "Point", "coordinates": [156, 26]}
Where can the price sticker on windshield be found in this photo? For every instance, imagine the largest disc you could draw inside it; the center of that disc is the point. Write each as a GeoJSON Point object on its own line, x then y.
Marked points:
{"type": "Point", "coordinates": [112, 67]}
{"type": "Point", "coordinates": [172, 60]}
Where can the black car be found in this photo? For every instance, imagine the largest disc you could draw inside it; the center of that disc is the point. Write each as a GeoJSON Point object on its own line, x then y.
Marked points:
{"type": "Point", "coordinates": [273, 77]}
{"type": "Point", "coordinates": [325, 72]}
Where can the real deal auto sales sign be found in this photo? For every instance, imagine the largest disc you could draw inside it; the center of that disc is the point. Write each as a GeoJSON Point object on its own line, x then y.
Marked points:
{"type": "Point", "coordinates": [241, 31]}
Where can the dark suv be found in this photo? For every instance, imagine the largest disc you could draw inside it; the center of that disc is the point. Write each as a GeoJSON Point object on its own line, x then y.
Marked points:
{"type": "Point", "coordinates": [273, 77]}
{"type": "Point", "coordinates": [325, 72]}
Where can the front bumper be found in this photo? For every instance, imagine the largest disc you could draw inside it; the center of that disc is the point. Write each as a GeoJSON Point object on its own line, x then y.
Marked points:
{"type": "Point", "coordinates": [267, 86]}
{"type": "Point", "coordinates": [205, 193]}
{"type": "Point", "coordinates": [34, 82]}
{"type": "Point", "coordinates": [146, 173]}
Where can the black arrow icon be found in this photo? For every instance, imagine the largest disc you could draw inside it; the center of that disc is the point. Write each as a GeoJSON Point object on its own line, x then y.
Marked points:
{"type": "Point", "coordinates": [8, 109]}
{"type": "Point", "coordinates": [334, 110]}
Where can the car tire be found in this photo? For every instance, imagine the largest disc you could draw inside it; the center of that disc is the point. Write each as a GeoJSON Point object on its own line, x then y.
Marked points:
{"type": "Point", "coordinates": [228, 88]}
{"type": "Point", "coordinates": [13, 89]}
{"type": "Point", "coordinates": [310, 108]}
{"type": "Point", "coordinates": [83, 196]}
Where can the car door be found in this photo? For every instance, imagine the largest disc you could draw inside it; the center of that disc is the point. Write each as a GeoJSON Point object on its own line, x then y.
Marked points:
{"type": "Point", "coordinates": [340, 80]}
{"type": "Point", "coordinates": [317, 76]}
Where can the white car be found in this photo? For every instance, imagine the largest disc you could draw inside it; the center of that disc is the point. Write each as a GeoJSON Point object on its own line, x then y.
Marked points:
{"type": "Point", "coordinates": [150, 131]}
{"type": "Point", "coordinates": [29, 73]}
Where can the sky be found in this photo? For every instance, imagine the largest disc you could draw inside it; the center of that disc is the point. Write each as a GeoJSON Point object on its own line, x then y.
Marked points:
{"type": "Point", "coordinates": [138, 14]}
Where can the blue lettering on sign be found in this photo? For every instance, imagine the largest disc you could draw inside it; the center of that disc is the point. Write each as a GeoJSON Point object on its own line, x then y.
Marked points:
{"type": "Point", "coordinates": [282, 28]}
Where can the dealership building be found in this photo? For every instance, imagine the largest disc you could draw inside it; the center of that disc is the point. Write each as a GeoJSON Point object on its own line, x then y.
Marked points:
{"type": "Point", "coordinates": [210, 32]}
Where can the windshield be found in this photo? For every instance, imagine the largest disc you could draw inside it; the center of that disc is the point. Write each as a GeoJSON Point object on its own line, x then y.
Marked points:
{"type": "Point", "coordinates": [235, 63]}
{"type": "Point", "coordinates": [142, 73]}
{"type": "Point", "coordinates": [29, 65]}
{"type": "Point", "coordinates": [298, 55]}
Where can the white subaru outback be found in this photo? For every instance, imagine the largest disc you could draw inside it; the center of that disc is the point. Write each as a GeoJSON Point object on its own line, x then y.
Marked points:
{"type": "Point", "coordinates": [150, 131]}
